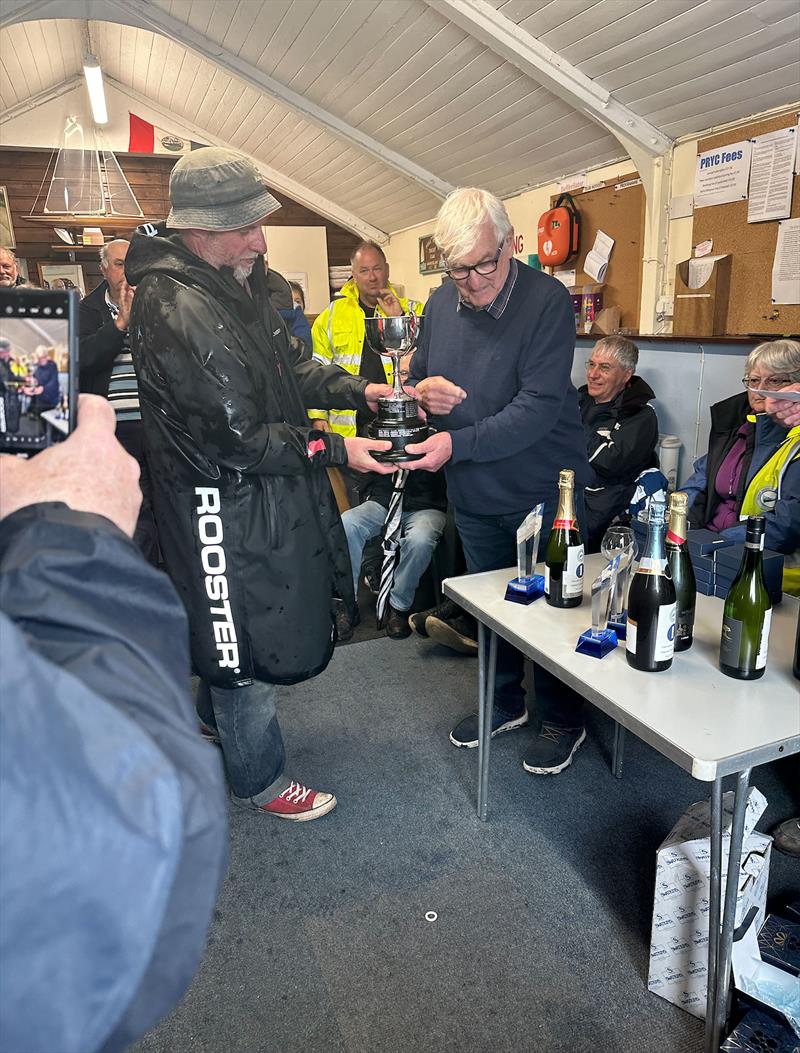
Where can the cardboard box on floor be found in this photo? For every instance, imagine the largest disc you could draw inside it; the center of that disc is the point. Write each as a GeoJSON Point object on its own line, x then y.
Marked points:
{"type": "Point", "coordinates": [679, 939]}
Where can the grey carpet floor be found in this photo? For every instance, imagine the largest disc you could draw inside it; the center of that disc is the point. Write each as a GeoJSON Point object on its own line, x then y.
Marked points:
{"type": "Point", "coordinates": [540, 945]}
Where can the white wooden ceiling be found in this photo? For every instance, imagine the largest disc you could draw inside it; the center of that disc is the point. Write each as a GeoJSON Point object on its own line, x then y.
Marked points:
{"type": "Point", "coordinates": [393, 101]}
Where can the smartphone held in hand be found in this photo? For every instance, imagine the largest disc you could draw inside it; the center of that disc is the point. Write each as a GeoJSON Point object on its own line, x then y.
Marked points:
{"type": "Point", "coordinates": [38, 367]}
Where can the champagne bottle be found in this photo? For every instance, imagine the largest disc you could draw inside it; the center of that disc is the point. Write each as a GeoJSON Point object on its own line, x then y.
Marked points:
{"type": "Point", "coordinates": [680, 566]}
{"type": "Point", "coordinates": [748, 611]}
{"type": "Point", "coordinates": [563, 557]}
{"type": "Point", "coordinates": [650, 642]}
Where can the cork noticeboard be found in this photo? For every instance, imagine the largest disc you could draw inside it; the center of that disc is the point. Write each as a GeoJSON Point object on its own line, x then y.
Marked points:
{"type": "Point", "coordinates": [620, 213]}
{"type": "Point", "coordinates": [751, 246]}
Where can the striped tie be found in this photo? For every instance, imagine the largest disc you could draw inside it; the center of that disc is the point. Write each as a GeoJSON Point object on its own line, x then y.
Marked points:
{"type": "Point", "coordinates": [123, 387]}
{"type": "Point", "coordinates": [392, 533]}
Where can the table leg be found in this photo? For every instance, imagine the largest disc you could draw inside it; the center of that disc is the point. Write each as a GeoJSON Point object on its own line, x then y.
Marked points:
{"type": "Point", "coordinates": [714, 900]}
{"type": "Point", "coordinates": [486, 671]}
{"type": "Point", "coordinates": [729, 909]}
{"type": "Point", "coordinates": [619, 750]}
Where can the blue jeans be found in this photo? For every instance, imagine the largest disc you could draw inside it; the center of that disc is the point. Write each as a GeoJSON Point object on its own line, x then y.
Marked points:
{"type": "Point", "coordinates": [490, 543]}
{"type": "Point", "coordinates": [250, 736]}
{"type": "Point", "coordinates": [421, 533]}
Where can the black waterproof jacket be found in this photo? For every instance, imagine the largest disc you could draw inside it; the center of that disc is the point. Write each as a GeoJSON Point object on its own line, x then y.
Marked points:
{"type": "Point", "coordinates": [246, 517]}
{"type": "Point", "coordinates": [621, 440]}
{"type": "Point", "coordinates": [727, 417]}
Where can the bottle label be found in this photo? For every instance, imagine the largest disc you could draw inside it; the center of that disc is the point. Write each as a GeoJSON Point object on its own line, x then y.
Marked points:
{"type": "Point", "coordinates": [684, 624]}
{"type": "Point", "coordinates": [652, 565]}
{"type": "Point", "coordinates": [572, 579]}
{"type": "Point", "coordinates": [563, 524]}
{"type": "Point", "coordinates": [630, 636]}
{"type": "Point", "coordinates": [675, 538]}
{"type": "Point", "coordinates": [546, 580]}
{"type": "Point", "coordinates": [730, 642]}
{"type": "Point", "coordinates": [763, 644]}
{"type": "Point", "coordinates": [665, 632]}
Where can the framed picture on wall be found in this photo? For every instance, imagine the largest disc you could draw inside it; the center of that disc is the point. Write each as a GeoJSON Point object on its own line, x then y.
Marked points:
{"type": "Point", "coordinates": [430, 259]}
{"type": "Point", "coordinates": [71, 274]}
{"type": "Point", "coordinates": [7, 238]}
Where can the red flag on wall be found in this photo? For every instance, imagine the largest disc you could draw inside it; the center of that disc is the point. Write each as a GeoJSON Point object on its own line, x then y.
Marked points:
{"type": "Point", "coordinates": [146, 138]}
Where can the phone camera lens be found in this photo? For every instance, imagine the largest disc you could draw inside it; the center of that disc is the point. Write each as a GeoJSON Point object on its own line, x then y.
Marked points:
{"type": "Point", "coordinates": [47, 310]}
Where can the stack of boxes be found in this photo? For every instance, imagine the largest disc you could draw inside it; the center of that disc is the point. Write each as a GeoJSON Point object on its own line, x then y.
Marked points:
{"type": "Point", "coordinates": [716, 562]}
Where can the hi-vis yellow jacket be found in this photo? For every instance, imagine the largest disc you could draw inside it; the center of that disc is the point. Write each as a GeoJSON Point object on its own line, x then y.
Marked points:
{"type": "Point", "coordinates": [764, 492]}
{"type": "Point", "coordinates": [338, 339]}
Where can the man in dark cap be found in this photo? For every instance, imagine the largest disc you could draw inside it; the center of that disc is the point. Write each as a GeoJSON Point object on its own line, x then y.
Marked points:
{"type": "Point", "coordinates": [247, 521]}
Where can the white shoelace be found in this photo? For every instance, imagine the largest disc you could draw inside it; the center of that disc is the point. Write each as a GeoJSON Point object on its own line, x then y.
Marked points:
{"type": "Point", "coordinates": [295, 793]}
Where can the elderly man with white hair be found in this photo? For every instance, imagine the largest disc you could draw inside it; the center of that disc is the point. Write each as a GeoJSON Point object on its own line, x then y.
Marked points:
{"type": "Point", "coordinates": [493, 370]}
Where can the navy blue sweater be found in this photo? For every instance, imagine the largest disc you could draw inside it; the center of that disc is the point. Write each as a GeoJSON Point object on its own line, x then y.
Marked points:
{"type": "Point", "coordinates": [520, 423]}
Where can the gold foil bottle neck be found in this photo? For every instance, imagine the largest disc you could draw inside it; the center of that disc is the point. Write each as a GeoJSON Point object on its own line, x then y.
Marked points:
{"type": "Point", "coordinates": [566, 477]}
{"type": "Point", "coordinates": [679, 502]}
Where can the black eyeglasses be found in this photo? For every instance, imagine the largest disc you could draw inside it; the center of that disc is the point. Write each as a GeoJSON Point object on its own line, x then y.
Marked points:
{"type": "Point", "coordinates": [485, 267]}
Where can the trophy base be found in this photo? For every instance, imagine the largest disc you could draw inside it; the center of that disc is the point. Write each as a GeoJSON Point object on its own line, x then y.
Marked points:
{"type": "Point", "coordinates": [620, 627]}
{"type": "Point", "coordinates": [525, 590]}
{"type": "Point", "coordinates": [400, 433]}
{"type": "Point", "coordinates": [597, 645]}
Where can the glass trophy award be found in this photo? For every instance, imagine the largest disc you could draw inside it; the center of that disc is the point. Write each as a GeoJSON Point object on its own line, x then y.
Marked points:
{"type": "Point", "coordinates": [598, 641]}
{"type": "Point", "coordinates": [619, 541]}
{"type": "Point", "coordinates": [527, 586]}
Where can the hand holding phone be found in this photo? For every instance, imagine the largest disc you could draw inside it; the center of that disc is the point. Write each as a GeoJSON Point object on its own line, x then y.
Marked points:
{"type": "Point", "coordinates": [89, 471]}
{"type": "Point", "coordinates": [38, 367]}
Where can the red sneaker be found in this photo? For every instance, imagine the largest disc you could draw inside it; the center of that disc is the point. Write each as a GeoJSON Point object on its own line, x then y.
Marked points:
{"type": "Point", "coordinates": [300, 803]}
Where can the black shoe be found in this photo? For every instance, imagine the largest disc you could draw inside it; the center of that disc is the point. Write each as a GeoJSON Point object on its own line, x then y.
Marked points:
{"type": "Point", "coordinates": [445, 609]}
{"type": "Point", "coordinates": [344, 623]}
{"type": "Point", "coordinates": [397, 626]}
{"type": "Point", "coordinates": [459, 631]}
{"type": "Point", "coordinates": [372, 579]}
{"type": "Point", "coordinates": [553, 749]}
{"type": "Point", "coordinates": [465, 733]}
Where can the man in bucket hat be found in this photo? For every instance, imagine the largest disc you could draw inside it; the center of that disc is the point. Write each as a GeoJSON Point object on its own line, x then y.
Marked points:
{"type": "Point", "coordinates": [247, 521]}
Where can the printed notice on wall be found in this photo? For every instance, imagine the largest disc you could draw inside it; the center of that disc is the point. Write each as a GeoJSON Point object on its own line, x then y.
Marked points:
{"type": "Point", "coordinates": [722, 174]}
{"type": "Point", "coordinates": [772, 175]}
{"type": "Point", "coordinates": [786, 267]}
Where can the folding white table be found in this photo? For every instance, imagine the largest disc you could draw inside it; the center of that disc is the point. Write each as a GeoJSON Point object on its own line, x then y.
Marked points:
{"type": "Point", "coordinates": [707, 723]}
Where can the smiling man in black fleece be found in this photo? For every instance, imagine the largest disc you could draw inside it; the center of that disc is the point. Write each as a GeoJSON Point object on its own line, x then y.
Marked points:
{"type": "Point", "coordinates": [621, 431]}
{"type": "Point", "coordinates": [493, 370]}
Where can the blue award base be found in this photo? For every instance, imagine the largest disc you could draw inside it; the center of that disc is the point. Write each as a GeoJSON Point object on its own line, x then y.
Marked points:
{"type": "Point", "coordinates": [620, 627]}
{"type": "Point", "coordinates": [525, 590]}
{"type": "Point", "coordinates": [597, 645]}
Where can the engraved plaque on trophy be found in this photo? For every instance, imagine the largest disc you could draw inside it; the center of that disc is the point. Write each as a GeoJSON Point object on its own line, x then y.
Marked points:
{"type": "Point", "coordinates": [527, 586]}
{"type": "Point", "coordinates": [598, 641]}
{"type": "Point", "coordinates": [398, 418]}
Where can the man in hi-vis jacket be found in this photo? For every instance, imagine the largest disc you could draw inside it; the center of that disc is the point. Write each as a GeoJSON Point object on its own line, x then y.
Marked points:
{"type": "Point", "coordinates": [247, 521]}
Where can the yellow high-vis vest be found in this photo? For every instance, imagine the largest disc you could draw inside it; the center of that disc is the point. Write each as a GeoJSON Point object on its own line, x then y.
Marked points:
{"type": "Point", "coordinates": [338, 339]}
{"type": "Point", "coordinates": [764, 492]}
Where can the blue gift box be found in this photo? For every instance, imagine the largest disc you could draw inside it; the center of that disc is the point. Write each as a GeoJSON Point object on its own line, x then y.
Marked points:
{"type": "Point", "coordinates": [779, 943]}
{"type": "Point", "coordinates": [758, 1032]}
{"type": "Point", "coordinates": [705, 542]}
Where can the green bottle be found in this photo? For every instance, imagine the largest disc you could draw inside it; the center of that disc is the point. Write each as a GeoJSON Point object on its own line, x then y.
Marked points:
{"type": "Point", "coordinates": [563, 556]}
{"type": "Point", "coordinates": [748, 610]}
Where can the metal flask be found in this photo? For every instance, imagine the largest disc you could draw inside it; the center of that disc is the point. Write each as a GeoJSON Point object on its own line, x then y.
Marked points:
{"type": "Point", "coordinates": [398, 417]}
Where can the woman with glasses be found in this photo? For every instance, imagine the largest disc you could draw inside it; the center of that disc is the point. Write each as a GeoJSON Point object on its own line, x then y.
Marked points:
{"type": "Point", "coordinates": [753, 462]}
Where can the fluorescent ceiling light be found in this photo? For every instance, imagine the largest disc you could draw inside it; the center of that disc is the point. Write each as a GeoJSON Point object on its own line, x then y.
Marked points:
{"type": "Point", "coordinates": [94, 82]}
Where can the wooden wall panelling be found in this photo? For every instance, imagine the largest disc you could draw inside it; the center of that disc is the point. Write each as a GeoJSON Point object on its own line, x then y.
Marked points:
{"type": "Point", "coordinates": [751, 245]}
{"type": "Point", "coordinates": [24, 172]}
{"type": "Point", "coordinates": [621, 215]}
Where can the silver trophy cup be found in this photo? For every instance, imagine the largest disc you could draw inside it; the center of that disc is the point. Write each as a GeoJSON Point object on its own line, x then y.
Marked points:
{"type": "Point", "coordinates": [398, 417]}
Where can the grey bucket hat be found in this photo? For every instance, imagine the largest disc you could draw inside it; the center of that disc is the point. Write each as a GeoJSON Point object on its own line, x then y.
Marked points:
{"type": "Point", "coordinates": [217, 189]}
